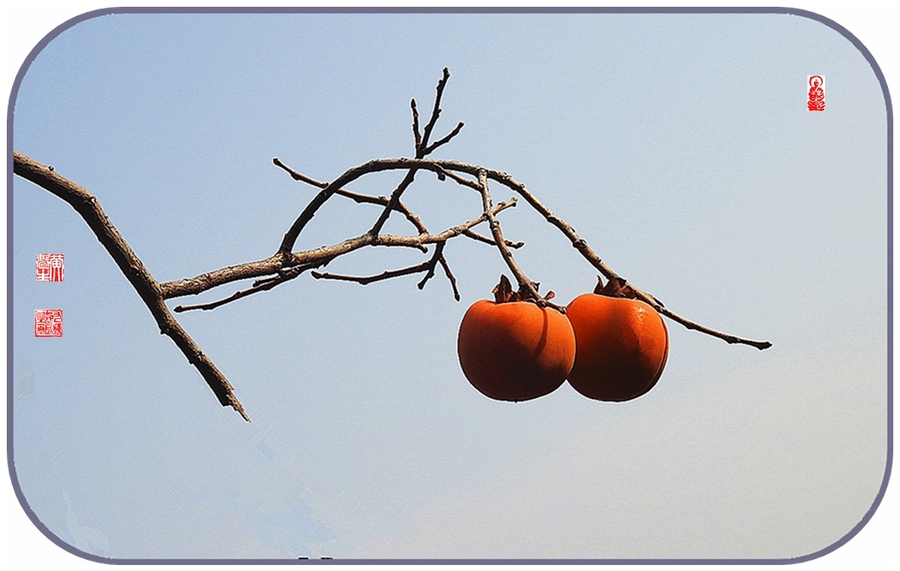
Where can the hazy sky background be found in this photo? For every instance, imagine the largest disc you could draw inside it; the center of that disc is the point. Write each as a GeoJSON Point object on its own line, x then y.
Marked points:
{"type": "Point", "coordinates": [679, 147]}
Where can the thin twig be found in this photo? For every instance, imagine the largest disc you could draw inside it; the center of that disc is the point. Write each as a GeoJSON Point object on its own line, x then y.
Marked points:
{"type": "Point", "coordinates": [302, 177]}
{"type": "Point", "coordinates": [258, 286]}
{"type": "Point", "coordinates": [415, 127]}
{"type": "Point", "coordinates": [366, 280]}
{"type": "Point", "coordinates": [479, 238]}
{"type": "Point", "coordinates": [450, 277]}
{"type": "Point", "coordinates": [459, 179]}
{"type": "Point", "coordinates": [430, 149]}
{"type": "Point", "coordinates": [220, 302]}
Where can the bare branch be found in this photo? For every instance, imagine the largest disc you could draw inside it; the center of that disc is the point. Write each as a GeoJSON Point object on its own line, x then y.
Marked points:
{"type": "Point", "coordinates": [452, 167]}
{"type": "Point", "coordinates": [732, 339]}
{"type": "Point", "coordinates": [286, 265]}
{"type": "Point", "coordinates": [216, 278]}
{"type": "Point", "coordinates": [148, 289]}
{"type": "Point", "coordinates": [317, 256]}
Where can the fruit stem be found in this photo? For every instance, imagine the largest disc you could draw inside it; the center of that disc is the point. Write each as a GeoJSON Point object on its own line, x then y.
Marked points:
{"type": "Point", "coordinates": [528, 290]}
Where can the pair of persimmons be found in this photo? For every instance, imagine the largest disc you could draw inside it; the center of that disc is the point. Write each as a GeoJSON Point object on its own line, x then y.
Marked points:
{"type": "Point", "coordinates": [609, 348]}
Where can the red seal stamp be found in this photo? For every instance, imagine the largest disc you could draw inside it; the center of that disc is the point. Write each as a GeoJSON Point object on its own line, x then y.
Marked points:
{"type": "Point", "coordinates": [50, 267]}
{"type": "Point", "coordinates": [48, 322]}
{"type": "Point", "coordinates": [816, 93]}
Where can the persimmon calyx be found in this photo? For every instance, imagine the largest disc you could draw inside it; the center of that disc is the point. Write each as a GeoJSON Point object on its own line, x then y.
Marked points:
{"type": "Point", "coordinates": [617, 287]}
{"type": "Point", "coordinates": [503, 292]}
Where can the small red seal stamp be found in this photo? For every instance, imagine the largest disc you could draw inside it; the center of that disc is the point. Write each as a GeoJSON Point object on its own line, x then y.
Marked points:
{"type": "Point", "coordinates": [816, 93]}
{"type": "Point", "coordinates": [48, 322]}
{"type": "Point", "coordinates": [50, 267]}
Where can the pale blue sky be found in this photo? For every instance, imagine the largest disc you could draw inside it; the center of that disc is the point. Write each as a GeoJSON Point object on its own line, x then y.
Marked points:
{"type": "Point", "coordinates": [678, 146]}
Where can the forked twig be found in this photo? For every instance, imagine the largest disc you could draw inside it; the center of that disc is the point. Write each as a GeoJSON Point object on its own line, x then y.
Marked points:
{"type": "Point", "coordinates": [427, 267]}
{"type": "Point", "coordinates": [421, 147]}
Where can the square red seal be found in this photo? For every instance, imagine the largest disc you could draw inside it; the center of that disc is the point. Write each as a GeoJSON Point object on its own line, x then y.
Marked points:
{"type": "Point", "coordinates": [48, 322]}
{"type": "Point", "coordinates": [50, 267]}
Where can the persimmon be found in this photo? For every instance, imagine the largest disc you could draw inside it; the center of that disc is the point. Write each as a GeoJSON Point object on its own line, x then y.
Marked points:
{"type": "Point", "coordinates": [514, 350]}
{"type": "Point", "coordinates": [622, 346]}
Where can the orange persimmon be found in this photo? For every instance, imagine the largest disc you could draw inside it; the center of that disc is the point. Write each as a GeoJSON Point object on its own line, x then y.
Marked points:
{"type": "Point", "coordinates": [622, 347]}
{"type": "Point", "coordinates": [515, 350]}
